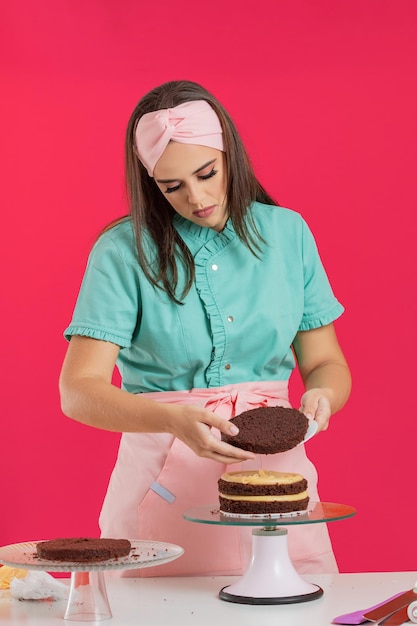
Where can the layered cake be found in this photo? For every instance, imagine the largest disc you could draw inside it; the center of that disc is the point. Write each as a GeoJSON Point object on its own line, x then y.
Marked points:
{"type": "Point", "coordinates": [268, 430]}
{"type": "Point", "coordinates": [262, 492]}
{"type": "Point", "coordinates": [83, 549]}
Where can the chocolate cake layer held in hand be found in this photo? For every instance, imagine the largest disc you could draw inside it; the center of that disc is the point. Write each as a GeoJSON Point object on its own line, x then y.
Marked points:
{"type": "Point", "coordinates": [268, 430]}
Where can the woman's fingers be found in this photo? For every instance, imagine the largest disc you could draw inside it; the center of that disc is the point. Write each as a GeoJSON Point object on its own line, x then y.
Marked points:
{"type": "Point", "coordinates": [213, 447]}
{"type": "Point", "coordinates": [194, 427]}
{"type": "Point", "coordinates": [315, 405]}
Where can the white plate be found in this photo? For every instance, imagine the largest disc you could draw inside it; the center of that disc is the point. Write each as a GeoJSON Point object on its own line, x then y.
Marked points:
{"type": "Point", "coordinates": [142, 554]}
{"type": "Point", "coordinates": [263, 516]}
{"type": "Point", "coordinates": [311, 431]}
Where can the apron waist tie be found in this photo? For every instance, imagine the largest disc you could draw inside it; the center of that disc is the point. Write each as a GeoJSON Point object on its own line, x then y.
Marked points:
{"type": "Point", "coordinates": [228, 400]}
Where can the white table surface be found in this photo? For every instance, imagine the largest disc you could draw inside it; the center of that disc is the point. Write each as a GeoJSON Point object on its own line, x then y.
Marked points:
{"type": "Point", "coordinates": [194, 602]}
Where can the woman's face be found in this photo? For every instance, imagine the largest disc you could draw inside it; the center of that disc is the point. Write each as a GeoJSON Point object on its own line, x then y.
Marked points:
{"type": "Point", "coordinates": [193, 180]}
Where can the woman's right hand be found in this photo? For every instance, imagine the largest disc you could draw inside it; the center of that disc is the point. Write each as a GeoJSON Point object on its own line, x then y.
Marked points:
{"type": "Point", "coordinates": [193, 426]}
{"type": "Point", "coordinates": [88, 396]}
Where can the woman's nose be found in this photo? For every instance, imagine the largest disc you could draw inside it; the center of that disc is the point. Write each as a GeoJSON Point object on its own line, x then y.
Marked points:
{"type": "Point", "coordinates": [195, 194]}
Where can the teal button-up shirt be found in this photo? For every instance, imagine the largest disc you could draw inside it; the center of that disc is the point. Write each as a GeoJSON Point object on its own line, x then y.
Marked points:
{"type": "Point", "coordinates": [238, 321]}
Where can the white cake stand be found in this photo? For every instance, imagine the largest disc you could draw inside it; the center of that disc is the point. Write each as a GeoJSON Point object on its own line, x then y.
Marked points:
{"type": "Point", "coordinates": [271, 578]}
{"type": "Point", "coordinates": [87, 599]}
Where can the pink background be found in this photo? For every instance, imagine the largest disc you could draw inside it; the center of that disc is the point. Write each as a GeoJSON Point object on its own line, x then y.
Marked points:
{"type": "Point", "coordinates": [325, 94]}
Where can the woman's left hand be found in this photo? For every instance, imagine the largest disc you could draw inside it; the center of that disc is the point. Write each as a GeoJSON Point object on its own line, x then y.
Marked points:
{"type": "Point", "coordinates": [324, 372]}
{"type": "Point", "coordinates": [316, 406]}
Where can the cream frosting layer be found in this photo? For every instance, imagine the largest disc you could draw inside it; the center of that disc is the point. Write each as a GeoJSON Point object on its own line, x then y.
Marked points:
{"type": "Point", "coordinates": [288, 498]}
{"type": "Point", "coordinates": [261, 477]}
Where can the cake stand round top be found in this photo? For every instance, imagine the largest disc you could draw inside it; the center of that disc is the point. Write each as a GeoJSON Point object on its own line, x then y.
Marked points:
{"type": "Point", "coordinates": [316, 513]}
{"type": "Point", "coordinates": [142, 554]}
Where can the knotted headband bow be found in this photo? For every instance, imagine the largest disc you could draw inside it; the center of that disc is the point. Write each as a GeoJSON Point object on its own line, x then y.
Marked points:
{"type": "Point", "coordinates": [192, 122]}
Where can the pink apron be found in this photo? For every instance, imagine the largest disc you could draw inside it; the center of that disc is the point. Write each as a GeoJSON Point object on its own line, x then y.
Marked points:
{"type": "Point", "coordinates": [157, 478]}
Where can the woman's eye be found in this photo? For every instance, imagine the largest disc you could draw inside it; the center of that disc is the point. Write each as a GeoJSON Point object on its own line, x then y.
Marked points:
{"type": "Point", "coordinates": [171, 189]}
{"type": "Point", "coordinates": [212, 172]}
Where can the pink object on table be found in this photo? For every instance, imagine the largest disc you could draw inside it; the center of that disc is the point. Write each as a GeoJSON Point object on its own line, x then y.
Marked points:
{"type": "Point", "coordinates": [357, 617]}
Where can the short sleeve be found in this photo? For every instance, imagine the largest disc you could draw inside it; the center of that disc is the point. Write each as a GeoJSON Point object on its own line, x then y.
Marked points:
{"type": "Point", "coordinates": [320, 305]}
{"type": "Point", "coordinates": [108, 304]}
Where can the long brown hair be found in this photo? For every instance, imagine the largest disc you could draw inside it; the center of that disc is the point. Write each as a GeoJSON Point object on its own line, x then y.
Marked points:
{"type": "Point", "coordinates": [150, 210]}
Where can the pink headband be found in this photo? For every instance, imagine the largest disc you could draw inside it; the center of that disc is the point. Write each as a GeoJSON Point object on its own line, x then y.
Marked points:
{"type": "Point", "coordinates": [192, 122]}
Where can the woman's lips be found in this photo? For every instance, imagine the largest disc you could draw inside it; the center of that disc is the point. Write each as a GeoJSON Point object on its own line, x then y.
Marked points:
{"type": "Point", "coordinates": [206, 212]}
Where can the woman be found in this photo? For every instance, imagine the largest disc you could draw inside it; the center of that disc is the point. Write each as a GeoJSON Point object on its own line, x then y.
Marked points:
{"type": "Point", "coordinates": [205, 297]}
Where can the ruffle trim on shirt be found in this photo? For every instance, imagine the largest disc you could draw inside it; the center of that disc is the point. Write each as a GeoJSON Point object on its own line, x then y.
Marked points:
{"type": "Point", "coordinates": [188, 229]}
{"type": "Point", "coordinates": [94, 333]}
{"type": "Point", "coordinates": [203, 258]}
{"type": "Point", "coordinates": [322, 320]}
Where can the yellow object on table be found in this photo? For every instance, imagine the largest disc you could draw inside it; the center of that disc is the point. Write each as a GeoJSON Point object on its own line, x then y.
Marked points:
{"type": "Point", "coordinates": [8, 573]}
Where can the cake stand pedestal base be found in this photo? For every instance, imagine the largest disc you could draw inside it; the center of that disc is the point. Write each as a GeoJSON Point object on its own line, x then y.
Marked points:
{"type": "Point", "coordinates": [88, 600]}
{"type": "Point", "coordinates": [271, 577]}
